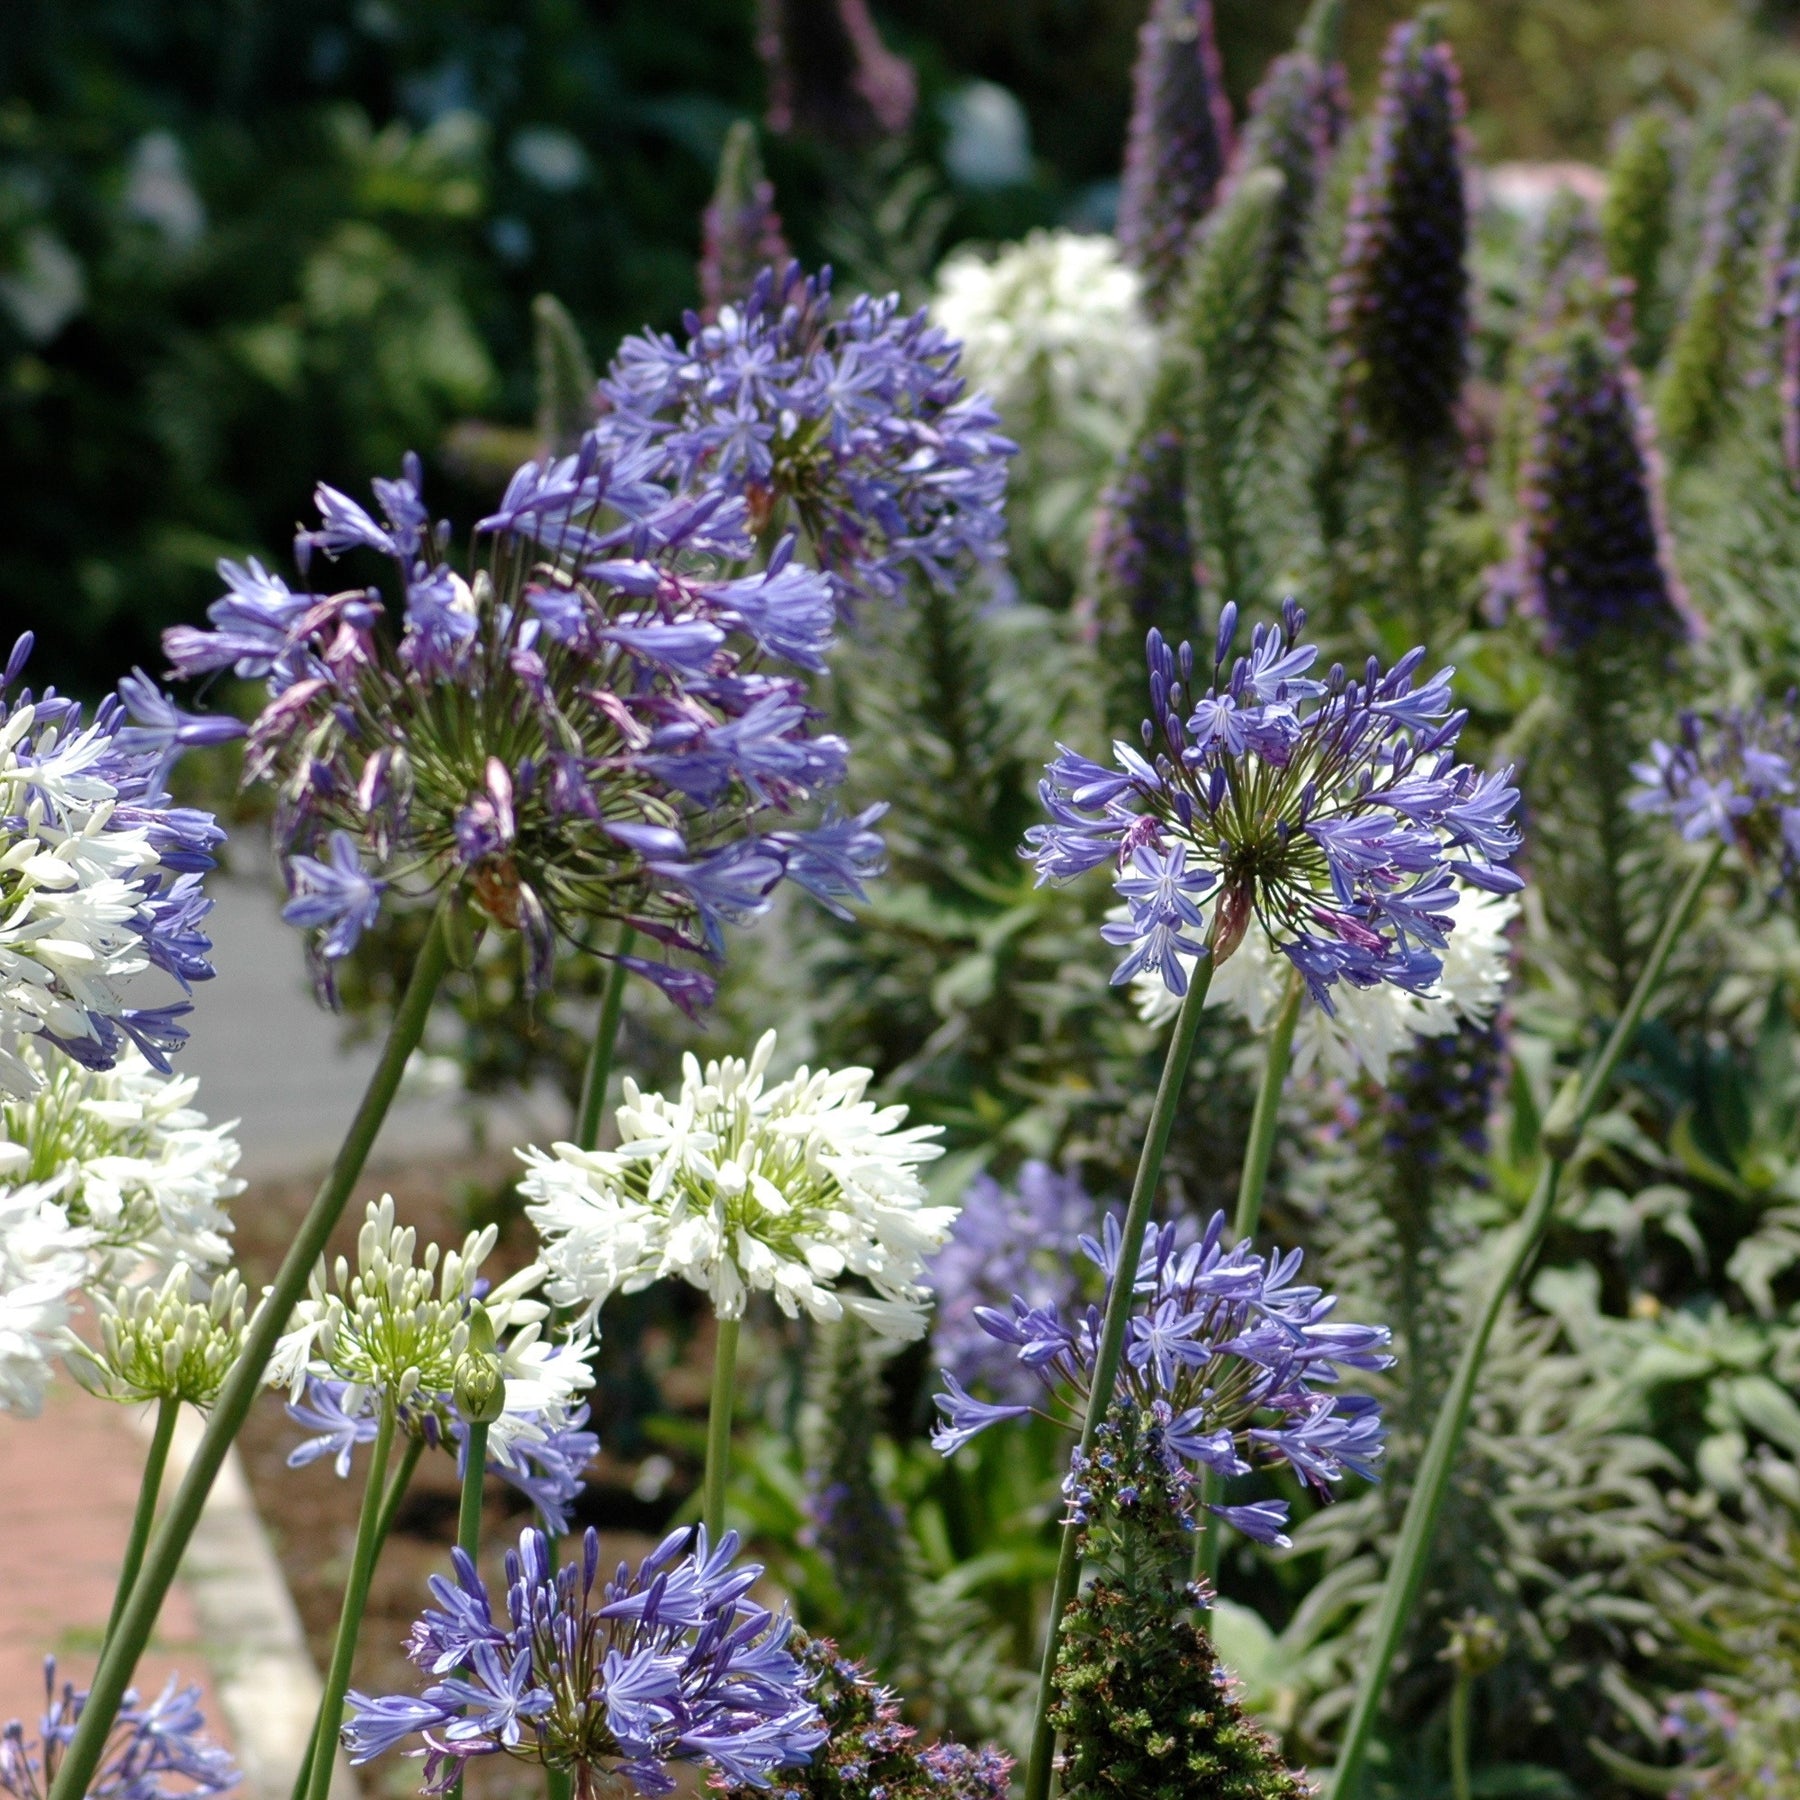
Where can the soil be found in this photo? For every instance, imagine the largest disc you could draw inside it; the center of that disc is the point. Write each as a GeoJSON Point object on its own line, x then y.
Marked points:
{"type": "Point", "coordinates": [310, 1514]}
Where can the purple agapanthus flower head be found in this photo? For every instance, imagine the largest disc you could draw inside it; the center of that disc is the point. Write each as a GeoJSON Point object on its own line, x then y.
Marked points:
{"type": "Point", "coordinates": [1013, 1240]}
{"type": "Point", "coordinates": [1735, 778]}
{"type": "Point", "coordinates": [1330, 812]}
{"type": "Point", "coordinates": [623, 666]}
{"type": "Point", "coordinates": [100, 873]}
{"type": "Point", "coordinates": [1179, 143]}
{"type": "Point", "coordinates": [665, 1664]}
{"type": "Point", "coordinates": [1226, 1352]}
{"type": "Point", "coordinates": [1400, 298]}
{"type": "Point", "coordinates": [155, 1751]}
{"type": "Point", "coordinates": [855, 427]}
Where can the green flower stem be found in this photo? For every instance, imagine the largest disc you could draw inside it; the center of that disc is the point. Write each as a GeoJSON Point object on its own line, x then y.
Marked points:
{"type": "Point", "coordinates": [606, 1038]}
{"type": "Point", "coordinates": [168, 1409]}
{"type": "Point", "coordinates": [468, 1515]}
{"type": "Point", "coordinates": [718, 1428]}
{"type": "Point", "coordinates": [1258, 1154]}
{"type": "Point", "coordinates": [162, 1558]}
{"type": "Point", "coordinates": [1112, 1347]}
{"type": "Point", "coordinates": [1562, 1133]}
{"type": "Point", "coordinates": [1459, 1736]}
{"type": "Point", "coordinates": [397, 1485]}
{"type": "Point", "coordinates": [356, 1598]}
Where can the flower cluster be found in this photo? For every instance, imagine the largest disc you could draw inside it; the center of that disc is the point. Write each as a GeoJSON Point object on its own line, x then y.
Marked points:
{"type": "Point", "coordinates": [155, 1751]}
{"type": "Point", "coordinates": [397, 1329]}
{"type": "Point", "coordinates": [1179, 143]}
{"type": "Point", "coordinates": [830, 75]}
{"type": "Point", "coordinates": [1367, 1027]}
{"type": "Point", "coordinates": [857, 426]}
{"type": "Point", "coordinates": [1400, 298]}
{"type": "Point", "coordinates": [1333, 811]}
{"type": "Point", "coordinates": [43, 1260]}
{"type": "Point", "coordinates": [1143, 550]}
{"type": "Point", "coordinates": [1737, 779]}
{"type": "Point", "coordinates": [128, 1157]}
{"type": "Point", "coordinates": [1226, 1354]}
{"type": "Point", "coordinates": [583, 731]}
{"type": "Point", "coordinates": [159, 1343]}
{"type": "Point", "coordinates": [1012, 1240]}
{"type": "Point", "coordinates": [736, 1187]}
{"type": "Point", "coordinates": [1593, 552]}
{"type": "Point", "coordinates": [668, 1663]}
{"type": "Point", "coordinates": [100, 874]}
{"type": "Point", "coordinates": [870, 1752]}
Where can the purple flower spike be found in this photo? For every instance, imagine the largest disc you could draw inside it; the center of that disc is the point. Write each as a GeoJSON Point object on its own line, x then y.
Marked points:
{"type": "Point", "coordinates": [741, 230]}
{"type": "Point", "coordinates": [668, 1664]}
{"type": "Point", "coordinates": [1331, 812]}
{"type": "Point", "coordinates": [1179, 143]}
{"type": "Point", "coordinates": [1227, 1357]}
{"type": "Point", "coordinates": [830, 75]}
{"type": "Point", "coordinates": [1400, 299]}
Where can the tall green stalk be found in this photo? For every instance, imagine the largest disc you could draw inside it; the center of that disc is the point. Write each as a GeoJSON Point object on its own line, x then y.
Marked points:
{"type": "Point", "coordinates": [1562, 1135]}
{"type": "Point", "coordinates": [1459, 1735]}
{"type": "Point", "coordinates": [718, 1428]}
{"type": "Point", "coordinates": [1112, 1347]}
{"type": "Point", "coordinates": [600, 1057]}
{"type": "Point", "coordinates": [356, 1599]}
{"type": "Point", "coordinates": [162, 1558]}
{"type": "Point", "coordinates": [468, 1514]}
{"type": "Point", "coordinates": [168, 1409]}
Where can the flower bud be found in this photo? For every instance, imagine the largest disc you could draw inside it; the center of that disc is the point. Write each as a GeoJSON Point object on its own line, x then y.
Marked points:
{"type": "Point", "coordinates": [480, 1390]}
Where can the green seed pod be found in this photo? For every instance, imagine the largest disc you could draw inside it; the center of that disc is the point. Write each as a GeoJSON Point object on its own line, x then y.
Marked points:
{"type": "Point", "coordinates": [480, 1386]}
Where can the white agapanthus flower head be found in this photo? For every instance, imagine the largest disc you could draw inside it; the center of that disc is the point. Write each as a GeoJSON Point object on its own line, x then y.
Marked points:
{"type": "Point", "coordinates": [395, 1322]}
{"type": "Point", "coordinates": [1371, 1025]}
{"type": "Point", "coordinates": [43, 1260]}
{"type": "Point", "coordinates": [128, 1158]}
{"type": "Point", "coordinates": [737, 1187]}
{"type": "Point", "coordinates": [159, 1342]}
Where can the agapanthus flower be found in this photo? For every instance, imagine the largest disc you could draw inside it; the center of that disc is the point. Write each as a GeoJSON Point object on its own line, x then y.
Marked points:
{"type": "Point", "coordinates": [1736, 778]}
{"type": "Point", "coordinates": [870, 1752]}
{"type": "Point", "coordinates": [857, 428]}
{"type": "Point", "coordinates": [1226, 1353]}
{"type": "Point", "coordinates": [155, 1750]}
{"type": "Point", "coordinates": [1018, 1239]}
{"type": "Point", "coordinates": [100, 878]}
{"type": "Point", "coordinates": [160, 1342]}
{"type": "Point", "coordinates": [43, 1260]}
{"type": "Point", "coordinates": [1593, 550]}
{"type": "Point", "coordinates": [739, 1187]}
{"type": "Point", "coordinates": [128, 1157]}
{"type": "Point", "coordinates": [393, 1329]}
{"type": "Point", "coordinates": [830, 75]}
{"type": "Point", "coordinates": [589, 726]}
{"type": "Point", "coordinates": [1400, 298]}
{"type": "Point", "coordinates": [666, 1664]}
{"type": "Point", "coordinates": [1368, 1027]}
{"type": "Point", "coordinates": [1178, 145]}
{"type": "Point", "coordinates": [740, 231]}
{"type": "Point", "coordinates": [1330, 812]}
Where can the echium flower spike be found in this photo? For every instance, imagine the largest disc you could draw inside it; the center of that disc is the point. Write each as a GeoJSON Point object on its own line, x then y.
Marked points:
{"type": "Point", "coordinates": [1637, 218]}
{"type": "Point", "coordinates": [1593, 551]}
{"type": "Point", "coordinates": [1719, 307]}
{"type": "Point", "coordinates": [1142, 555]}
{"type": "Point", "coordinates": [830, 75]}
{"type": "Point", "coordinates": [1226, 1354]}
{"type": "Point", "coordinates": [155, 1749]}
{"type": "Point", "coordinates": [1737, 778]}
{"type": "Point", "coordinates": [1331, 814]}
{"type": "Point", "coordinates": [739, 1185]}
{"type": "Point", "coordinates": [1179, 143]}
{"type": "Point", "coordinates": [100, 874]}
{"type": "Point", "coordinates": [741, 230]}
{"type": "Point", "coordinates": [663, 1665]}
{"type": "Point", "coordinates": [1400, 298]}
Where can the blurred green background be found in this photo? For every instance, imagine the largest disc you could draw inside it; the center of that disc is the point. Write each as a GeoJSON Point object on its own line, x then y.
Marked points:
{"type": "Point", "coordinates": [245, 245]}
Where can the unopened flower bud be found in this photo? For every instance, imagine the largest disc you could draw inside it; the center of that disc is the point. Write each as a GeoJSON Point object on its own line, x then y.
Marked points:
{"type": "Point", "coordinates": [480, 1385]}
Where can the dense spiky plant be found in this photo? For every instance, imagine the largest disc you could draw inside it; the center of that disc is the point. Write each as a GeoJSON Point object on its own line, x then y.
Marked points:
{"type": "Point", "coordinates": [1637, 219]}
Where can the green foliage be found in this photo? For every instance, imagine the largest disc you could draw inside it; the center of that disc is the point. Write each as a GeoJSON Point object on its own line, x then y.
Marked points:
{"type": "Point", "coordinates": [1637, 218]}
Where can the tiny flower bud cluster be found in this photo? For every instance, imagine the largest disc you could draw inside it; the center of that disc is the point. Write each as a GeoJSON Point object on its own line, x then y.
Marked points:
{"type": "Point", "coordinates": [1334, 813]}
{"type": "Point", "coordinates": [667, 1664]}
{"type": "Point", "coordinates": [99, 875]}
{"type": "Point", "coordinates": [161, 1344]}
{"type": "Point", "coordinates": [1225, 1354]}
{"type": "Point", "coordinates": [737, 1187]}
